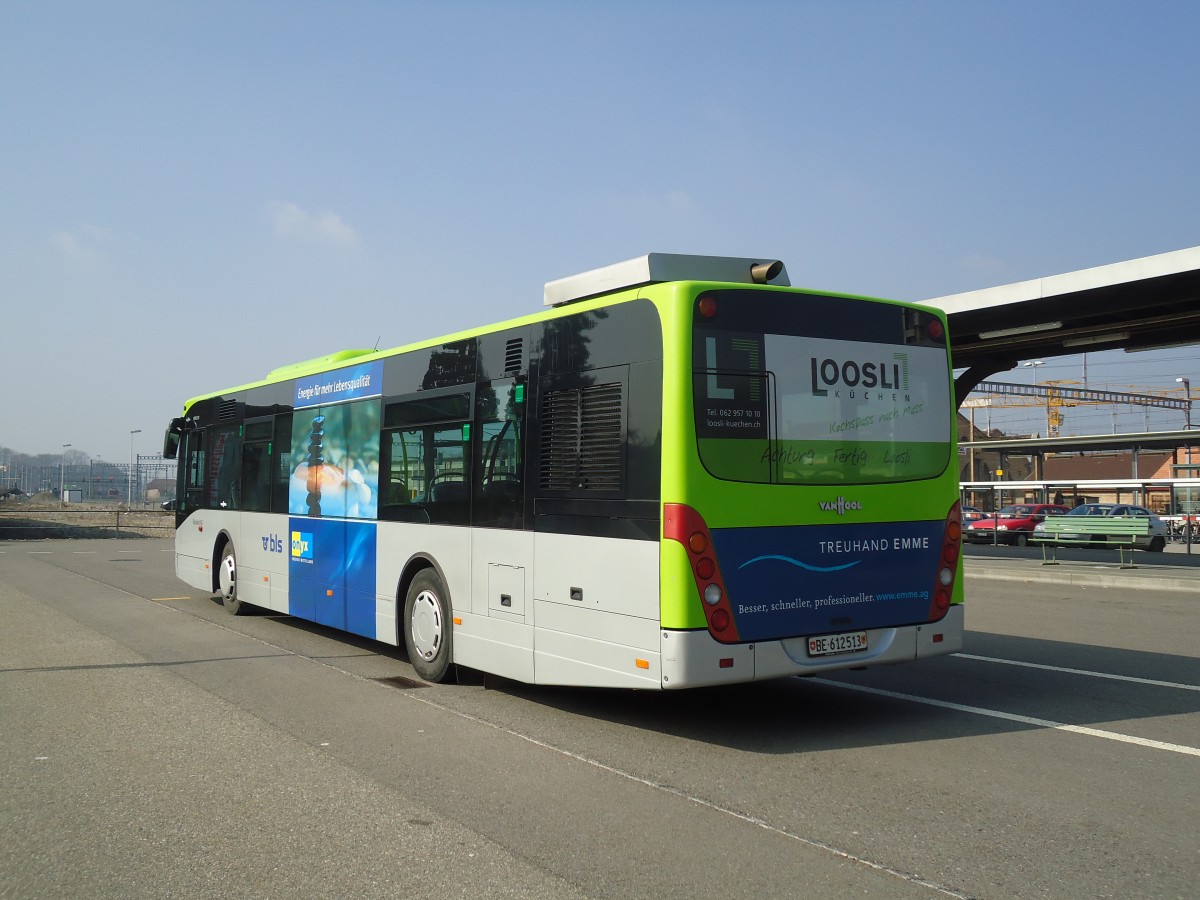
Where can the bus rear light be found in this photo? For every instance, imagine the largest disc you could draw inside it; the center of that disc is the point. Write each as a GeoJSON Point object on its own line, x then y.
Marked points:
{"type": "Point", "coordinates": [938, 638]}
{"type": "Point", "coordinates": [707, 306]}
{"type": "Point", "coordinates": [943, 587]}
{"type": "Point", "coordinates": [683, 524]}
{"type": "Point", "coordinates": [936, 331]}
{"type": "Point", "coordinates": [725, 662]}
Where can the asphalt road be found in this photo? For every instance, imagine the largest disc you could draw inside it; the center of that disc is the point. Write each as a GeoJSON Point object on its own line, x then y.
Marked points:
{"type": "Point", "coordinates": [152, 745]}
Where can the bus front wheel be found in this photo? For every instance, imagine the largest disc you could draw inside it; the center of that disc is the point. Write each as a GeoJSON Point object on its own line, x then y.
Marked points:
{"type": "Point", "coordinates": [427, 626]}
{"type": "Point", "coordinates": [227, 581]}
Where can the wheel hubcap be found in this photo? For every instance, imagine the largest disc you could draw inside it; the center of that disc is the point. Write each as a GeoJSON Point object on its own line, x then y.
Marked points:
{"type": "Point", "coordinates": [228, 577]}
{"type": "Point", "coordinates": [427, 625]}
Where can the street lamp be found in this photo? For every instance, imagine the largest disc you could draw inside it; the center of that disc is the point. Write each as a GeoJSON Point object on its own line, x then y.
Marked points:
{"type": "Point", "coordinates": [1033, 364]}
{"type": "Point", "coordinates": [1187, 392]}
{"type": "Point", "coordinates": [62, 466]}
{"type": "Point", "coordinates": [129, 498]}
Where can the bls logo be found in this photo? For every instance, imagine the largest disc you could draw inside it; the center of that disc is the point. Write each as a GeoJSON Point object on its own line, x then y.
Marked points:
{"type": "Point", "coordinates": [273, 543]}
{"type": "Point", "coordinates": [302, 545]}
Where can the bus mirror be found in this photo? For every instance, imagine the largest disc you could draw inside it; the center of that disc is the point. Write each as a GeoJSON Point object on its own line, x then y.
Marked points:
{"type": "Point", "coordinates": [761, 273]}
{"type": "Point", "coordinates": [171, 439]}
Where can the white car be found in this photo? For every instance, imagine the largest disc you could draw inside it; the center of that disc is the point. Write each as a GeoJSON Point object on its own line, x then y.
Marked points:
{"type": "Point", "coordinates": [1154, 541]}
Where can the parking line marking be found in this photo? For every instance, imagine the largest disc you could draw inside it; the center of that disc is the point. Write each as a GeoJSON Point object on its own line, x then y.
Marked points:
{"type": "Point", "coordinates": [1130, 678]}
{"type": "Point", "coordinates": [1014, 717]}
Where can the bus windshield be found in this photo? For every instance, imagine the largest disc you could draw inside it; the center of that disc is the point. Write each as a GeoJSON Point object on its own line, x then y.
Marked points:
{"type": "Point", "coordinates": [819, 390]}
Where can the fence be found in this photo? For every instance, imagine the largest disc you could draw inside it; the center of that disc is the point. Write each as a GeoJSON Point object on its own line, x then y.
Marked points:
{"type": "Point", "coordinates": [21, 521]}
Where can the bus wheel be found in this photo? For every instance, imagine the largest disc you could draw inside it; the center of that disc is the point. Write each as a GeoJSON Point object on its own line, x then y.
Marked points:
{"type": "Point", "coordinates": [427, 626]}
{"type": "Point", "coordinates": [227, 581]}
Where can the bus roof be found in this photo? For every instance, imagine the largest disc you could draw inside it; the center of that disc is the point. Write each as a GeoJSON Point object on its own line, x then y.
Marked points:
{"type": "Point", "coordinates": [659, 267]}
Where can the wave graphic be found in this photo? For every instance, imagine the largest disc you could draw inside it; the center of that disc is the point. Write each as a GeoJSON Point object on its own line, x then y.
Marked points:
{"type": "Point", "coordinates": [798, 563]}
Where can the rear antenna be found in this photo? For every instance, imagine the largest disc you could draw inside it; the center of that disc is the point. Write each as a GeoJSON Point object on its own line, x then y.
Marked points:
{"type": "Point", "coordinates": [377, 340]}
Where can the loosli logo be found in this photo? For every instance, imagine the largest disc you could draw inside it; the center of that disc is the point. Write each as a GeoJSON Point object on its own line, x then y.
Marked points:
{"type": "Point", "coordinates": [830, 374]}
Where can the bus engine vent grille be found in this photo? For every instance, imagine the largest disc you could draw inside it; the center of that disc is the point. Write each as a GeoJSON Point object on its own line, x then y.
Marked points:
{"type": "Point", "coordinates": [600, 438]}
{"type": "Point", "coordinates": [514, 354]}
{"type": "Point", "coordinates": [581, 438]}
{"type": "Point", "coordinates": [227, 410]}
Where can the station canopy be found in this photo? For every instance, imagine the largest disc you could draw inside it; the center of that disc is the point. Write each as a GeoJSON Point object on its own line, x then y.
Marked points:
{"type": "Point", "coordinates": [1142, 304]}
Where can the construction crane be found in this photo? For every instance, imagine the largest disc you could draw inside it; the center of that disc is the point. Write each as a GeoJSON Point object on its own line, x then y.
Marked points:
{"type": "Point", "coordinates": [1054, 395]}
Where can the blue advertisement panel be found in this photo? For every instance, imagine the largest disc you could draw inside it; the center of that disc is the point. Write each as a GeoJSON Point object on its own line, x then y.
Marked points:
{"type": "Point", "coordinates": [818, 579]}
{"type": "Point", "coordinates": [332, 573]}
{"type": "Point", "coordinates": [352, 383]}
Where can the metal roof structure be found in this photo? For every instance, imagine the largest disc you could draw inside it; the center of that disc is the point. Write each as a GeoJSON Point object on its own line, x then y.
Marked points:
{"type": "Point", "coordinates": [1142, 304]}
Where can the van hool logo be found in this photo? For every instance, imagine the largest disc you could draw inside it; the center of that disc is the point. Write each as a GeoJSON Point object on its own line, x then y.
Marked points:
{"type": "Point", "coordinates": [840, 505]}
{"type": "Point", "coordinates": [833, 374]}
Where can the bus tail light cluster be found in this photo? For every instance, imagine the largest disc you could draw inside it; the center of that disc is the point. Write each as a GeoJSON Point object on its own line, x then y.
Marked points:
{"type": "Point", "coordinates": [683, 524]}
{"type": "Point", "coordinates": [943, 588]}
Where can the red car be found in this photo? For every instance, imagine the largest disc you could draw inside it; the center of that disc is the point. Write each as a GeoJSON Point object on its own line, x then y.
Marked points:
{"type": "Point", "coordinates": [1012, 525]}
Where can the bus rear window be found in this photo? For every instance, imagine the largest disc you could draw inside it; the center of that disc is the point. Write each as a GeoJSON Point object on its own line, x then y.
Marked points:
{"type": "Point", "coordinates": [817, 390]}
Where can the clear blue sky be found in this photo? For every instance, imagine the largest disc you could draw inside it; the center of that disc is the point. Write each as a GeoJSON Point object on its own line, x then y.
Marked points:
{"type": "Point", "coordinates": [193, 193]}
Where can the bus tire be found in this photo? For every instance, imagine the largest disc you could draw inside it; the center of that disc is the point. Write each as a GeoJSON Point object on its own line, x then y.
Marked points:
{"type": "Point", "coordinates": [227, 581]}
{"type": "Point", "coordinates": [427, 626]}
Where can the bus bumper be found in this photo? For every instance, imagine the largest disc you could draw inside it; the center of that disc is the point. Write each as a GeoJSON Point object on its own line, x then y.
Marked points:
{"type": "Point", "coordinates": [694, 659]}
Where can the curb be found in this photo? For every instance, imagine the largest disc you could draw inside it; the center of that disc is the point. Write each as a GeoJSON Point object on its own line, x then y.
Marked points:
{"type": "Point", "coordinates": [1114, 577]}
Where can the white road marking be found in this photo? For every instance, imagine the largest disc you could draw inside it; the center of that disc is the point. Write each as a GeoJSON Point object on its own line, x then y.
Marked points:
{"type": "Point", "coordinates": [1013, 717]}
{"type": "Point", "coordinates": [1130, 678]}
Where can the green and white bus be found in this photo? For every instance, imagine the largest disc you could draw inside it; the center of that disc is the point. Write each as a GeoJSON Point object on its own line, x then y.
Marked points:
{"type": "Point", "coordinates": [684, 472]}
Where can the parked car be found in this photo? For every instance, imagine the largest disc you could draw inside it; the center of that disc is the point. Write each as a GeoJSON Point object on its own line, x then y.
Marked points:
{"type": "Point", "coordinates": [972, 514]}
{"type": "Point", "coordinates": [169, 505]}
{"type": "Point", "coordinates": [1012, 524]}
{"type": "Point", "coordinates": [1155, 541]}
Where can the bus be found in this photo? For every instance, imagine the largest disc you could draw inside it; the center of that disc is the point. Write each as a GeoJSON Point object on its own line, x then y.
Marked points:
{"type": "Point", "coordinates": [683, 472]}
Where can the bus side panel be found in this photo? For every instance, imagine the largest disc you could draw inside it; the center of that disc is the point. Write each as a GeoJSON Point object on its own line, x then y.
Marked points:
{"type": "Point", "coordinates": [259, 540]}
{"type": "Point", "coordinates": [596, 609]}
{"type": "Point", "coordinates": [609, 574]}
{"type": "Point", "coordinates": [572, 650]}
{"type": "Point", "coordinates": [194, 552]}
{"type": "Point", "coordinates": [397, 545]}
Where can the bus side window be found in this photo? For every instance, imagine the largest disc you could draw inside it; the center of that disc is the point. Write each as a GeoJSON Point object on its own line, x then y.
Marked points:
{"type": "Point", "coordinates": [402, 477]}
{"type": "Point", "coordinates": [256, 477]}
{"type": "Point", "coordinates": [224, 490]}
{"type": "Point", "coordinates": [256, 466]}
{"type": "Point", "coordinates": [281, 463]}
{"type": "Point", "coordinates": [499, 485]}
{"type": "Point", "coordinates": [424, 473]}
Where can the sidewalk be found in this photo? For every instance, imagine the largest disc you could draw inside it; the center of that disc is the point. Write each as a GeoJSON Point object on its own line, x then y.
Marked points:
{"type": "Point", "coordinates": [1171, 570]}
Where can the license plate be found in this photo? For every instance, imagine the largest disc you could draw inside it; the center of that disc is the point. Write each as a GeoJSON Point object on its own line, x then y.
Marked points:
{"type": "Point", "coordinates": [829, 644]}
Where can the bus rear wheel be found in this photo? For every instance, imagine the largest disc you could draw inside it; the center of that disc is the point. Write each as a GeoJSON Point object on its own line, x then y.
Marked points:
{"type": "Point", "coordinates": [227, 581]}
{"type": "Point", "coordinates": [427, 628]}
